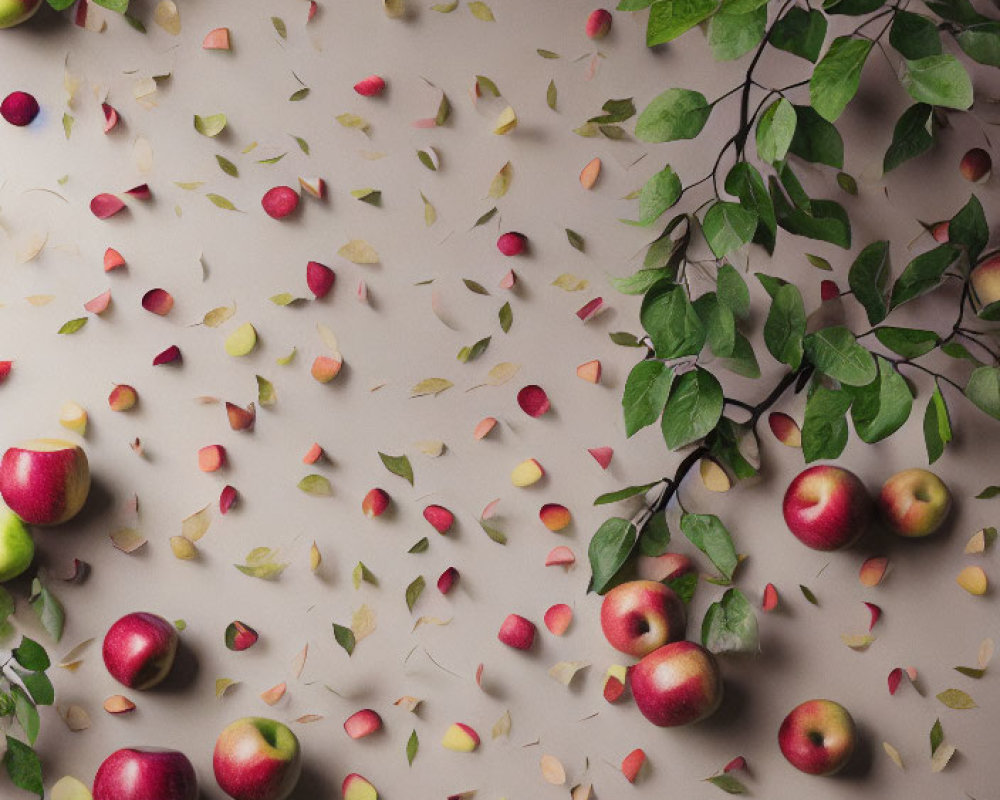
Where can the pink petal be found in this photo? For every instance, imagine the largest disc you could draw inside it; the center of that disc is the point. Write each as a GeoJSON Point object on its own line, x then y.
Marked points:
{"type": "Point", "coordinates": [99, 304]}
{"type": "Point", "coordinates": [110, 117]}
{"type": "Point", "coordinates": [895, 678]}
{"type": "Point", "coordinates": [508, 280]}
{"type": "Point", "coordinates": [226, 499]}
{"type": "Point", "coordinates": [140, 192]}
{"type": "Point", "coordinates": [106, 205]}
{"type": "Point", "coordinates": [158, 301]}
{"type": "Point", "coordinates": [371, 86]}
{"type": "Point", "coordinates": [602, 455]}
{"type": "Point", "coordinates": [737, 763]}
{"type": "Point", "coordinates": [560, 556]}
{"type": "Point", "coordinates": [171, 354]}
{"type": "Point", "coordinates": [876, 612]}
{"type": "Point", "coordinates": [558, 618]}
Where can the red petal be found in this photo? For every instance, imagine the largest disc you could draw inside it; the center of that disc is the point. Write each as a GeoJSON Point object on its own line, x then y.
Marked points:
{"type": "Point", "coordinates": [895, 678]}
{"type": "Point", "coordinates": [590, 309]}
{"type": "Point", "coordinates": [106, 205]}
{"type": "Point", "coordinates": [158, 301]}
{"type": "Point", "coordinates": [140, 192]}
{"type": "Point", "coordinates": [172, 353]}
{"type": "Point", "coordinates": [319, 279]}
{"type": "Point", "coordinates": [533, 400]}
{"type": "Point", "coordinates": [602, 455]}
{"type": "Point", "coordinates": [110, 117]}
{"type": "Point", "coordinates": [226, 499]}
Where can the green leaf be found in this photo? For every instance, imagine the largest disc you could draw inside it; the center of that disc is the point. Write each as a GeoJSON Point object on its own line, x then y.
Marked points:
{"type": "Point", "coordinates": [668, 19]}
{"type": "Point", "coordinates": [299, 94]}
{"type": "Point", "coordinates": [775, 130]}
{"type": "Point", "coordinates": [807, 593]}
{"type": "Point", "coordinates": [398, 465]}
{"type": "Point", "coordinates": [317, 485]}
{"type": "Point", "coordinates": [725, 445]}
{"type": "Point", "coordinates": [835, 352]}
{"type": "Point", "coordinates": [825, 220]}
{"type": "Point", "coordinates": [727, 227]}
{"type": "Point", "coordinates": [800, 32]}
{"type": "Point", "coordinates": [937, 736]}
{"type": "Point", "coordinates": [854, 8]}
{"type": "Point", "coordinates": [939, 80]}
{"type": "Point", "coordinates": [485, 217]}
{"type": "Point", "coordinates": [815, 139]}
{"type": "Point", "coordinates": [791, 184]}
{"type": "Point", "coordinates": [658, 194]}
{"type": "Point", "coordinates": [421, 546]}
{"type": "Point", "coordinates": [425, 158]}
{"type": "Point", "coordinates": [770, 283]}
{"type": "Point", "coordinates": [728, 783]}
{"type": "Point", "coordinates": [914, 35]}
{"type": "Point", "coordinates": [785, 326]}
{"type": "Point", "coordinates": [708, 534]}
{"type": "Point", "coordinates": [971, 672]}
{"type": "Point", "coordinates": [960, 11]}
{"type": "Point", "coordinates": [73, 325]}
{"type": "Point", "coordinates": [868, 277]}
{"type": "Point", "coordinates": [302, 143]}
{"type": "Point", "coordinates": [7, 606]}
{"type": "Point", "coordinates": [968, 228]}
{"type": "Point", "coordinates": [684, 586]}
{"type": "Point", "coordinates": [609, 549]}
{"type": "Point", "coordinates": [280, 27]}
{"type": "Point", "coordinates": [633, 5]}
{"type": "Point", "coordinates": [551, 95]}
{"type": "Point", "coordinates": [732, 34]}
{"type": "Point", "coordinates": [221, 202]}
{"type": "Point", "coordinates": [837, 76]}
{"type": "Point", "coordinates": [937, 425]}
{"type": "Point", "coordinates": [882, 407]}
{"type": "Point", "coordinates": [693, 409]}
{"type": "Point", "coordinates": [31, 655]}
{"type": "Point", "coordinates": [26, 714]}
{"type": "Point", "coordinates": [646, 390]}
{"type": "Point", "coordinates": [959, 351]}
{"type": "Point", "coordinates": [847, 183]}
{"type": "Point", "coordinates": [625, 339]}
{"type": "Point", "coordinates": [674, 114]}
{"type": "Point", "coordinates": [345, 638]}
{"type": "Point", "coordinates": [48, 608]}
{"type": "Point", "coordinates": [732, 290]}
{"type": "Point", "coordinates": [640, 282]}
{"type": "Point", "coordinates": [615, 111]}
{"type": "Point", "coordinates": [981, 43]}
{"type": "Point", "coordinates": [819, 262]}
{"type": "Point", "coordinates": [923, 274]}
{"type": "Point", "coordinates": [506, 316]}
{"type": "Point", "coordinates": [911, 137]}
{"type": "Point", "coordinates": [983, 389]}
{"type": "Point", "coordinates": [412, 745]}
{"type": "Point", "coordinates": [362, 573]}
{"type": "Point", "coordinates": [988, 493]}
{"type": "Point", "coordinates": [671, 321]}
{"type": "Point", "coordinates": [730, 626]}
{"type": "Point", "coordinates": [956, 699]}
{"type": "Point", "coordinates": [227, 166]}
{"type": "Point", "coordinates": [23, 767]}
{"type": "Point", "coordinates": [575, 240]}
{"type": "Point", "coordinates": [824, 429]}
{"type": "Point", "coordinates": [744, 181]}
{"type": "Point", "coordinates": [495, 534]}
{"type": "Point", "coordinates": [60, 5]}
{"type": "Point", "coordinates": [623, 494]}
{"type": "Point", "coordinates": [38, 685]}
{"type": "Point", "coordinates": [654, 538]}
{"type": "Point", "coordinates": [211, 125]}
{"type": "Point", "coordinates": [743, 361]}
{"type": "Point", "coordinates": [414, 590]}
{"type": "Point", "coordinates": [908, 342]}
{"type": "Point", "coordinates": [719, 322]}
{"type": "Point", "coordinates": [473, 352]}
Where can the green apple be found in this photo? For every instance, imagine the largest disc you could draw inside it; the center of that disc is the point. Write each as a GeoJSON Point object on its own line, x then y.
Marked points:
{"type": "Point", "coordinates": [16, 547]}
{"type": "Point", "coordinates": [14, 12]}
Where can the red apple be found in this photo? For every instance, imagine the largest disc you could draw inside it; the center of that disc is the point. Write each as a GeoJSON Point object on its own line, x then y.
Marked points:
{"type": "Point", "coordinates": [677, 684]}
{"type": "Point", "coordinates": [45, 481]}
{"type": "Point", "coordinates": [826, 507]}
{"type": "Point", "coordinates": [914, 502]}
{"type": "Point", "coordinates": [257, 759]}
{"type": "Point", "coordinates": [363, 723]}
{"type": "Point", "coordinates": [639, 616]}
{"type": "Point", "coordinates": [139, 649]}
{"type": "Point", "coordinates": [818, 737]}
{"type": "Point", "coordinates": [14, 12]}
{"type": "Point", "coordinates": [141, 773]}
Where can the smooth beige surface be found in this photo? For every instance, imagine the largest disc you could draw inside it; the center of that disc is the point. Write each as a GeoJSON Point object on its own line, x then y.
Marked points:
{"type": "Point", "coordinates": [397, 340]}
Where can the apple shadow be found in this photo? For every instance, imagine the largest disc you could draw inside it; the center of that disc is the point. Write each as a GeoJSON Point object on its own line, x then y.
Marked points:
{"type": "Point", "coordinates": [99, 503]}
{"type": "Point", "coordinates": [860, 764]}
{"type": "Point", "coordinates": [735, 701]}
{"type": "Point", "coordinates": [183, 673]}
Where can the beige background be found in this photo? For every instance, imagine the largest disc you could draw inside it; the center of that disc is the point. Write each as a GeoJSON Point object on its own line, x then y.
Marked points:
{"type": "Point", "coordinates": [397, 340]}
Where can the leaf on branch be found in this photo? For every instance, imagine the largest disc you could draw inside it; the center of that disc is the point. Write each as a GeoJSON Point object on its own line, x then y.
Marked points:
{"type": "Point", "coordinates": [609, 549]}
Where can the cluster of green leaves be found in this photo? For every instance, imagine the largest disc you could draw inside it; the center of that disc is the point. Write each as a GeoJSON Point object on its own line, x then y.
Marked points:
{"type": "Point", "coordinates": [23, 687]}
{"type": "Point", "coordinates": [692, 339]}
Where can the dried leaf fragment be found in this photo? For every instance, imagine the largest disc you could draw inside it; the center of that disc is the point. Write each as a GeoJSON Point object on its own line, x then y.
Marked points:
{"type": "Point", "coordinates": [552, 770]}
{"type": "Point", "coordinates": [565, 671]}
